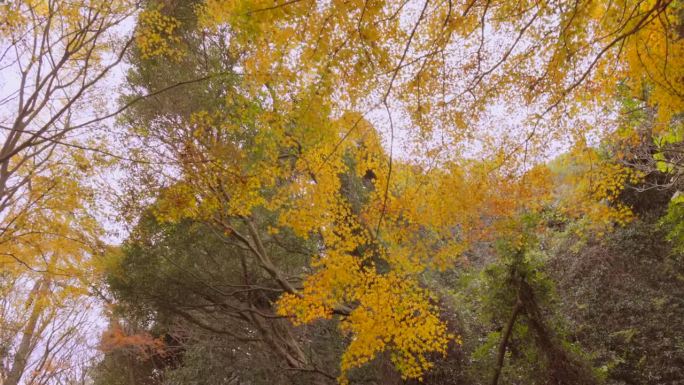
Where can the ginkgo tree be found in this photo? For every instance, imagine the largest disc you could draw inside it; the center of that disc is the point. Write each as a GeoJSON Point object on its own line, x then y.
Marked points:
{"type": "Point", "coordinates": [54, 55]}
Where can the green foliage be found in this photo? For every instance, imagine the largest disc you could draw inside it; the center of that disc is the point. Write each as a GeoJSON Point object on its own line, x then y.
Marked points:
{"type": "Point", "coordinates": [620, 295]}
{"type": "Point", "coordinates": [183, 281]}
{"type": "Point", "coordinates": [673, 222]}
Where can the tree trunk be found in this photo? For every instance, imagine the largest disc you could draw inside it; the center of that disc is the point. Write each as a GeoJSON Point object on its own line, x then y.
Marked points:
{"type": "Point", "coordinates": [28, 338]}
{"type": "Point", "coordinates": [504, 342]}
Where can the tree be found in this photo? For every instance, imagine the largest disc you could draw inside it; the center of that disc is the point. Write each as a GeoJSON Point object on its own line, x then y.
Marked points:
{"type": "Point", "coordinates": [54, 55]}
{"type": "Point", "coordinates": [241, 310]}
{"type": "Point", "coordinates": [204, 295]}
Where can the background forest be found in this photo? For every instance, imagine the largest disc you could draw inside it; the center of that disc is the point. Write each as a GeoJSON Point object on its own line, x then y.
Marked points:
{"type": "Point", "coordinates": [345, 191]}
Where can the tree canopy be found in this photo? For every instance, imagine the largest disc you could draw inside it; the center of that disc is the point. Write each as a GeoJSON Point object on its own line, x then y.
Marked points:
{"type": "Point", "coordinates": [338, 191]}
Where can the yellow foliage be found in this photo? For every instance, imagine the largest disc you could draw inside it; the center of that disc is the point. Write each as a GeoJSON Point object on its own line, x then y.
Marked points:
{"type": "Point", "coordinates": [393, 314]}
{"type": "Point", "coordinates": [591, 186]}
{"type": "Point", "coordinates": [318, 70]}
{"type": "Point", "coordinates": [155, 35]}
